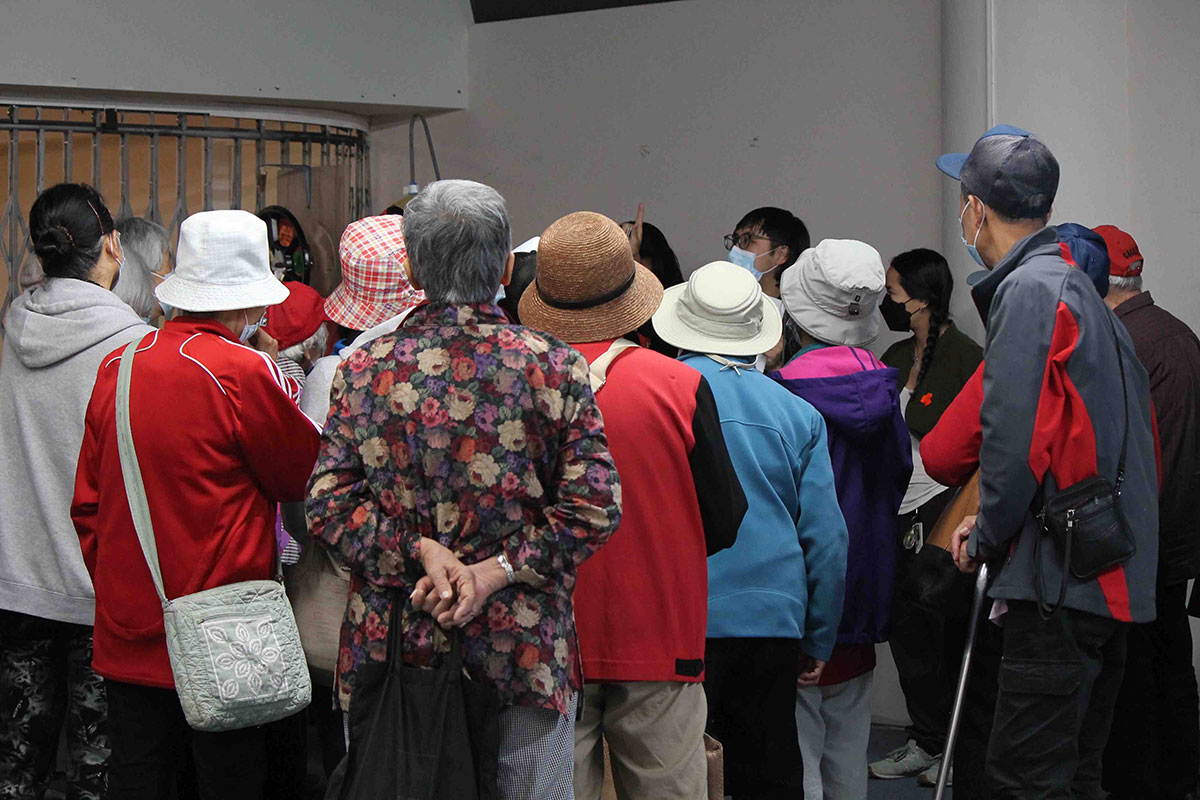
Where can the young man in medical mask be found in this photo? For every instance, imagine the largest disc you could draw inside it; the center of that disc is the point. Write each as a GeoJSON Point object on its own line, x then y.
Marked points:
{"type": "Point", "coordinates": [766, 242]}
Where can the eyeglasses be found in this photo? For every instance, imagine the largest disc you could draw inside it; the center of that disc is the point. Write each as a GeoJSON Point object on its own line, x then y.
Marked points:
{"type": "Point", "coordinates": [743, 240]}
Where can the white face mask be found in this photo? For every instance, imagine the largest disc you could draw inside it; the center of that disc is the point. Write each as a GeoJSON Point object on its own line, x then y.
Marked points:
{"type": "Point", "coordinates": [167, 308]}
{"type": "Point", "coordinates": [251, 328]}
{"type": "Point", "coordinates": [746, 260]}
{"type": "Point", "coordinates": [972, 250]}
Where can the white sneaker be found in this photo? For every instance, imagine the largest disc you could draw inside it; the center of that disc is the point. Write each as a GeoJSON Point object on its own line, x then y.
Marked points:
{"type": "Point", "coordinates": [929, 776]}
{"type": "Point", "coordinates": [903, 762]}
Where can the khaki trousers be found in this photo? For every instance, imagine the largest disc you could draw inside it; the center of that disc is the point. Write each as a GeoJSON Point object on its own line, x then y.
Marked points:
{"type": "Point", "coordinates": [655, 735]}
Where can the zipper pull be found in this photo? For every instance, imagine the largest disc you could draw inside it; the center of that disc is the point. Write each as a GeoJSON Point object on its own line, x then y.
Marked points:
{"type": "Point", "coordinates": [1070, 519]}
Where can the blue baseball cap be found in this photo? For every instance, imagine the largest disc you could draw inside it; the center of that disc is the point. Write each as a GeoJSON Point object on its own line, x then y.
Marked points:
{"type": "Point", "coordinates": [952, 163]}
{"type": "Point", "coordinates": [1086, 250]}
{"type": "Point", "coordinates": [1010, 170]}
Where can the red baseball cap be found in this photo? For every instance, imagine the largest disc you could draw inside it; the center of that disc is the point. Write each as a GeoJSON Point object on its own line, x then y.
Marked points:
{"type": "Point", "coordinates": [1125, 260]}
{"type": "Point", "coordinates": [297, 317]}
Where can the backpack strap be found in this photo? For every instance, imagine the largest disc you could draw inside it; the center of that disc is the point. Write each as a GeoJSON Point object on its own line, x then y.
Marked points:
{"type": "Point", "coordinates": [598, 369]}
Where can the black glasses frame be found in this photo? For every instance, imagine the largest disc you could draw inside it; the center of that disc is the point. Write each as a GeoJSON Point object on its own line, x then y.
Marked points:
{"type": "Point", "coordinates": [743, 240]}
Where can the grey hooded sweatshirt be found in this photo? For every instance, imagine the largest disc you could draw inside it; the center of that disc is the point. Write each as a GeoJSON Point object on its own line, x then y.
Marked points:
{"type": "Point", "coordinates": [55, 336]}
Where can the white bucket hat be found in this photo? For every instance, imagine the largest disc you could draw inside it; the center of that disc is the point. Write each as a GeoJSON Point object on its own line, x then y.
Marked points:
{"type": "Point", "coordinates": [720, 310]}
{"type": "Point", "coordinates": [833, 291]}
{"type": "Point", "coordinates": [528, 246]}
{"type": "Point", "coordinates": [223, 264]}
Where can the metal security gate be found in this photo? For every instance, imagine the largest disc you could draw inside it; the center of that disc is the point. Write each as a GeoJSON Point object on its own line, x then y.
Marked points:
{"type": "Point", "coordinates": [160, 165]}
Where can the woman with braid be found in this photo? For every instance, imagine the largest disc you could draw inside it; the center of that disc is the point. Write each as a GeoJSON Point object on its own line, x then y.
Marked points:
{"type": "Point", "coordinates": [931, 367]}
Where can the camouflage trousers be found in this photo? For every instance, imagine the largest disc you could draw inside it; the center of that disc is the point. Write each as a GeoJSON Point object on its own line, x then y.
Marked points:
{"type": "Point", "coordinates": [46, 680]}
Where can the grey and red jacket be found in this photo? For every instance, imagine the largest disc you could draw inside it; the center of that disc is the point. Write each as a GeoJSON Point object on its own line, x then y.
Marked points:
{"type": "Point", "coordinates": [1052, 416]}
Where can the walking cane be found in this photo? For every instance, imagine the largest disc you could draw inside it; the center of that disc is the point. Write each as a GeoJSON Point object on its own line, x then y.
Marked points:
{"type": "Point", "coordinates": [981, 580]}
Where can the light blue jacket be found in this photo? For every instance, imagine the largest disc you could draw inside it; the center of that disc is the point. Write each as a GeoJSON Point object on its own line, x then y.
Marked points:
{"type": "Point", "coordinates": [785, 575]}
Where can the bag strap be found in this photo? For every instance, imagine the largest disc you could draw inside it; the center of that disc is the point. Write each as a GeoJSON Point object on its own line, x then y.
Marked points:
{"type": "Point", "coordinates": [1125, 398]}
{"type": "Point", "coordinates": [598, 369]}
{"type": "Point", "coordinates": [1045, 610]}
{"type": "Point", "coordinates": [395, 644]}
{"type": "Point", "coordinates": [135, 489]}
{"type": "Point", "coordinates": [395, 640]}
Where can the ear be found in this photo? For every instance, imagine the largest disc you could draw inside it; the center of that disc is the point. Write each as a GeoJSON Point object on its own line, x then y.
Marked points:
{"type": "Point", "coordinates": [412, 278]}
{"type": "Point", "coordinates": [974, 211]}
{"type": "Point", "coordinates": [506, 278]}
{"type": "Point", "coordinates": [781, 254]}
{"type": "Point", "coordinates": [112, 244]}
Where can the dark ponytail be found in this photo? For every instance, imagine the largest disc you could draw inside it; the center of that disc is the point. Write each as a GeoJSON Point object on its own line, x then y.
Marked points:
{"type": "Point", "coordinates": [925, 275]}
{"type": "Point", "coordinates": [67, 224]}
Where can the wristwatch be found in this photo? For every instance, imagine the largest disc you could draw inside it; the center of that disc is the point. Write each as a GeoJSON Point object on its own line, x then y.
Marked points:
{"type": "Point", "coordinates": [508, 568]}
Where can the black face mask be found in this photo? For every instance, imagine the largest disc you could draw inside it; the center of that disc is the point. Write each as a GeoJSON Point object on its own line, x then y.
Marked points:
{"type": "Point", "coordinates": [895, 315]}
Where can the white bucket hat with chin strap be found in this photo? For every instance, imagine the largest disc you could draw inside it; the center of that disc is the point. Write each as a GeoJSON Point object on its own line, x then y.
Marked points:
{"type": "Point", "coordinates": [833, 292]}
{"type": "Point", "coordinates": [223, 264]}
{"type": "Point", "coordinates": [720, 310]}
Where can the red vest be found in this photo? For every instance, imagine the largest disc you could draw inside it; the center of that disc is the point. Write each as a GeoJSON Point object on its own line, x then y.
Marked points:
{"type": "Point", "coordinates": [641, 603]}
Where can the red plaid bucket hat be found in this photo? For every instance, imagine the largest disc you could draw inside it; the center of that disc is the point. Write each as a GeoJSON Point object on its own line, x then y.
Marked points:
{"type": "Point", "coordinates": [374, 287]}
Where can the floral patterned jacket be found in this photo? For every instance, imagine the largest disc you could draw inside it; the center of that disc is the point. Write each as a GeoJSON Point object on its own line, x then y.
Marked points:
{"type": "Point", "coordinates": [486, 437]}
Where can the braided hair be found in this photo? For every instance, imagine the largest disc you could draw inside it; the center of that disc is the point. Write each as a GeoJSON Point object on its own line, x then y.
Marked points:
{"type": "Point", "coordinates": [925, 275]}
{"type": "Point", "coordinates": [67, 224]}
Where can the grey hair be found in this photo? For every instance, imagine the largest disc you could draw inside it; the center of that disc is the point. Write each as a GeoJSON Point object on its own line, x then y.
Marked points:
{"type": "Point", "coordinates": [315, 342]}
{"type": "Point", "coordinates": [1132, 283]}
{"type": "Point", "coordinates": [143, 243]}
{"type": "Point", "coordinates": [458, 240]}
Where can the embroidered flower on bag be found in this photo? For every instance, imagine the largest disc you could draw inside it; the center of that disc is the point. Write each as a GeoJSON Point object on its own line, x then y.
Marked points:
{"type": "Point", "coordinates": [250, 658]}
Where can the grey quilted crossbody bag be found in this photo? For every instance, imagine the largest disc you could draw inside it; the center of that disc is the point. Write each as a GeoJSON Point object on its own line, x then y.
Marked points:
{"type": "Point", "coordinates": [235, 650]}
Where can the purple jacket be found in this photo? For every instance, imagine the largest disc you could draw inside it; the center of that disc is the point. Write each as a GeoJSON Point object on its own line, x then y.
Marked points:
{"type": "Point", "coordinates": [872, 462]}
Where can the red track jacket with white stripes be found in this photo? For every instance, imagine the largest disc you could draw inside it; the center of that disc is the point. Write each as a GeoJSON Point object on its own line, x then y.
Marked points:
{"type": "Point", "coordinates": [219, 441]}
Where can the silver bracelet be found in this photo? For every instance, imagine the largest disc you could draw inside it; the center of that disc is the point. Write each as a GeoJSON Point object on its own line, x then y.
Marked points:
{"type": "Point", "coordinates": [508, 568]}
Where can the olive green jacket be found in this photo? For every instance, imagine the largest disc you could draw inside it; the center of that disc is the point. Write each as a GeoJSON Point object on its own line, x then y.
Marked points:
{"type": "Point", "coordinates": [955, 358]}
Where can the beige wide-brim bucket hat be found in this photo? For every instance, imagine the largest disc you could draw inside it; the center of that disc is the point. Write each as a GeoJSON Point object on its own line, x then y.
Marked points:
{"type": "Point", "coordinates": [720, 310]}
{"type": "Point", "coordinates": [588, 287]}
{"type": "Point", "coordinates": [223, 264]}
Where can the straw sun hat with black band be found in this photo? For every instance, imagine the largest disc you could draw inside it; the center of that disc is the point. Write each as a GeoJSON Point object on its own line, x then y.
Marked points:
{"type": "Point", "coordinates": [588, 287]}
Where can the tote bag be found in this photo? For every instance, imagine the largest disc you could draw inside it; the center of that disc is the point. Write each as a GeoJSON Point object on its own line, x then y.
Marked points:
{"type": "Point", "coordinates": [417, 733]}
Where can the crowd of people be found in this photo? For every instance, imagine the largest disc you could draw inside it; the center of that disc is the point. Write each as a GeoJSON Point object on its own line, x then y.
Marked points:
{"type": "Point", "coordinates": [654, 517]}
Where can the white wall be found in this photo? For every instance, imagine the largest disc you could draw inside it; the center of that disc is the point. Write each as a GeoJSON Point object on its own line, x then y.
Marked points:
{"type": "Point", "coordinates": [965, 106]}
{"type": "Point", "coordinates": [1164, 149]}
{"type": "Point", "coordinates": [365, 52]}
{"type": "Point", "coordinates": [1111, 86]}
{"type": "Point", "coordinates": [703, 111]}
